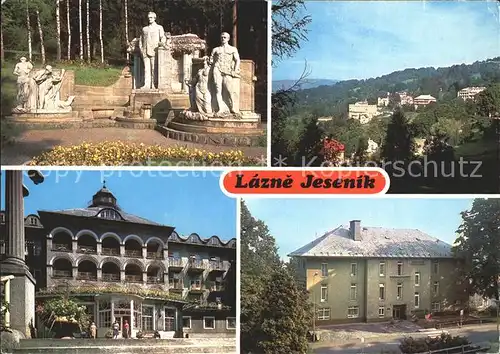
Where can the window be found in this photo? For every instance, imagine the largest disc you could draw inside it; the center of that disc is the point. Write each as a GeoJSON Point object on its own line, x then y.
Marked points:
{"type": "Point", "coordinates": [195, 284]}
{"type": "Point", "coordinates": [324, 314]}
{"type": "Point", "coordinates": [209, 322]}
{"type": "Point", "coordinates": [354, 269]}
{"type": "Point", "coordinates": [400, 268]}
{"type": "Point", "coordinates": [435, 267]}
{"type": "Point", "coordinates": [353, 312]}
{"type": "Point", "coordinates": [324, 293]}
{"type": "Point", "coordinates": [381, 311]}
{"type": "Point", "coordinates": [169, 320]}
{"type": "Point", "coordinates": [186, 322]}
{"type": "Point", "coordinates": [147, 318]}
{"type": "Point", "coordinates": [353, 293]}
{"type": "Point", "coordinates": [381, 291]}
{"type": "Point", "coordinates": [435, 288]}
{"type": "Point", "coordinates": [417, 300]}
{"type": "Point", "coordinates": [400, 291]}
{"type": "Point", "coordinates": [417, 278]}
{"type": "Point", "coordinates": [436, 307]}
{"type": "Point", "coordinates": [381, 269]}
{"type": "Point", "coordinates": [324, 270]}
{"type": "Point", "coordinates": [231, 323]}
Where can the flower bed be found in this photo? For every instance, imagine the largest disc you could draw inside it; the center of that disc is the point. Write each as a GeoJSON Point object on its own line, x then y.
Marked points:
{"type": "Point", "coordinates": [131, 154]}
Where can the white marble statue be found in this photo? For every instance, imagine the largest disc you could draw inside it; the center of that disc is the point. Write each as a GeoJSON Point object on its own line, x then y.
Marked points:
{"type": "Point", "coordinates": [202, 97]}
{"type": "Point", "coordinates": [39, 91]}
{"type": "Point", "coordinates": [153, 36]}
{"type": "Point", "coordinates": [225, 61]}
{"type": "Point", "coordinates": [22, 70]}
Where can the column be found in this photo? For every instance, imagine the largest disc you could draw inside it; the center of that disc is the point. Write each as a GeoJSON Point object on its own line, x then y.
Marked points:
{"type": "Point", "coordinates": [144, 251]}
{"type": "Point", "coordinates": [97, 314]}
{"type": "Point", "coordinates": [99, 248]}
{"type": "Point", "coordinates": [131, 316]}
{"type": "Point", "coordinates": [49, 244]}
{"type": "Point", "coordinates": [99, 274]}
{"type": "Point", "coordinates": [122, 250]}
{"type": "Point", "coordinates": [74, 272]}
{"type": "Point", "coordinates": [113, 311]}
{"type": "Point", "coordinates": [14, 210]}
{"type": "Point", "coordinates": [7, 300]}
{"type": "Point", "coordinates": [74, 245]}
{"type": "Point", "coordinates": [164, 68]}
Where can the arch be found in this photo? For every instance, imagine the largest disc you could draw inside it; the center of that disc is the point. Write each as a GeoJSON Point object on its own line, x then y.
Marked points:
{"type": "Point", "coordinates": [65, 256]}
{"type": "Point", "coordinates": [133, 237]}
{"type": "Point", "coordinates": [214, 241]}
{"type": "Point", "coordinates": [110, 260]}
{"type": "Point", "coordinates": [86, 257]}
{"type": "Point", "coordinates": [161, 265]}
{"type": "Point", "coordinates": [132, 261]}
{"type": "Point", "coordinates": [113, 235]}
{"type": "Point", "coordinates": [154, 238]}
{"type": "Point", "coordinates": [63, 259]}
{"type": "Point", "coordinates": [61, 229]}
{"type": "Point", "coordinates": [86, 232]}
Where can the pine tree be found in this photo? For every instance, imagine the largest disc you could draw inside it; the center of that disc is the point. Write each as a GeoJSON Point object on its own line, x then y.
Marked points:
{"type": "Point", "coordinates": [310, 144]}
{"type": "Point", "coordinates": [398, 144]}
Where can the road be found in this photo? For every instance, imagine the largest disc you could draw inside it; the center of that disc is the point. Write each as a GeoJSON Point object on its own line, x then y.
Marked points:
{"type": "Point", "coordinates": [475, 334]}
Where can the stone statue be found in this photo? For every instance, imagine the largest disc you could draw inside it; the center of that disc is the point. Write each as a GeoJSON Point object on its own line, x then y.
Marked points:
{"type": "Point", "coordinates": [225, 61]}
{"type": "Point", "coordinates": [202, 96]}
{"type": "Point", "coordinates": [22, 70]}
{"type": "Point", "coordinates": [153, 36]}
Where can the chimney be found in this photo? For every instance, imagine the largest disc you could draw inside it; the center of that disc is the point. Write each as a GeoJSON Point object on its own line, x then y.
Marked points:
{"type": "Point", "coordinates": [356, 230]}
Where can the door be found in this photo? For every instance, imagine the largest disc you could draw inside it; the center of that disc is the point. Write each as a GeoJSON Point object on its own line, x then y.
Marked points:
{"type": "Point", "coordinates": [396, 313]}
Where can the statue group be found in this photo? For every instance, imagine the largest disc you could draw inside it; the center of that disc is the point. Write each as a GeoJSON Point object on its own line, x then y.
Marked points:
{"type": "Point", "coordinates": [38, 90]}
{"type": "Point", "coordinates": [215, 87]}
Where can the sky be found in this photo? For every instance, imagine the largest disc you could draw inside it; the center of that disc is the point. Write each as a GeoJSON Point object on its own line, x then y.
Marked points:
{"type": "Point", "coordinates": [296, 222]}
{"type": "Point", "coordinates": [364, 39]}
{"type": "Point", "coordinates": [191, 203]}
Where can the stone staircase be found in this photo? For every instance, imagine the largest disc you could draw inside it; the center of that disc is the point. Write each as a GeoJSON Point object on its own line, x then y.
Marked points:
{"type": "Point", "coordinates": [128, 346]}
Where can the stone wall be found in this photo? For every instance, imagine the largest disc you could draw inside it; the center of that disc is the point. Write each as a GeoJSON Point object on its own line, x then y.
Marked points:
{"type": "Point", "coordinates": [247, 86]}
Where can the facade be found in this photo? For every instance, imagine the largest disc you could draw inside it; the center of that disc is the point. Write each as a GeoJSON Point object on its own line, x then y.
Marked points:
{"type": "Point", "coordinates": [423, 100]}
{"type": "Point", "coordinates": [405, 98]}
{"type": "Point", "coordinates": [356, 273]}
{"type": "Point", "coordinates": [469, 93]}
{"type": "Point", "coordinates": [363, 111]}
{"type": "Point", "coordinates": [126, 268]}
{"type": "Point", "coordinates": [383, 101]}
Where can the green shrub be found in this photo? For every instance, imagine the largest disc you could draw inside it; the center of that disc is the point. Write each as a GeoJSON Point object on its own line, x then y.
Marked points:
{"type": "Point", "coordinates": [419, 345]}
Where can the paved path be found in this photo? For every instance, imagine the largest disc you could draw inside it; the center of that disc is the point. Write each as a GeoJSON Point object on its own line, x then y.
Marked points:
{"type": "Point", "coordinates": [390, 343]}
{"type": "Point", "coordinates": [33, 142]}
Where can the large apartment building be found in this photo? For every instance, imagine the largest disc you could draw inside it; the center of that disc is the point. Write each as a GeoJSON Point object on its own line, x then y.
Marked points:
{"type": "Point", "coordinates": [469, 93]}
{"type": "Point", "coordinates": [356, 273]}
{"type": "Point", "coordinates": [126, 268]}
{"type": "Point", "coordinates": [363, 111]}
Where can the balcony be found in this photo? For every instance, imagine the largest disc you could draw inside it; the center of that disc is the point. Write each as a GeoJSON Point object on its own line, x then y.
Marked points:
{"type": "Point", "coordinates": [62, 274]}
{"type": "Point", "coordinates": [110, 251]}
{"type": "Point", "coordinates": [154, 255]}
{"type": "Point", "coordinates": [176, 287]}
{"type": "Point", "coordinates": [133, 253]}
{"type": "Point", "coordinates": [196, 288]}
{"type": "Point", "coordinates": [110, 277]}
{"type": "Point", "coordinates": [154, 280]}
{"type": "Point", "coordinates": [399, 276]}
{"type": "Point", "coordinates": [86, 276]}
{"type": "Point", "coordinates": [197, 265]}
{"type": "Point", "coordinates": [218, 266]}
{"type": "Point", "coordinates": [86, 249]}
{"type": "Point", "coordinates": [133, 278]}
{"type": "Point", "coordinates": [217, 287]}
{"type": "Point", "coordinates": [61, 247]}
{"type": "Point", "coordinates": [175, 263]}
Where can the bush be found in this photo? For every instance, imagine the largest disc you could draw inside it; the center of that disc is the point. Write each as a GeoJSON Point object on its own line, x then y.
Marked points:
{"type": "Point", "coordinates": [109, 334]}
{"type": "Point", "coordinates": [419, 345]}
{"type": "Point", "coordinates": [131, 154]}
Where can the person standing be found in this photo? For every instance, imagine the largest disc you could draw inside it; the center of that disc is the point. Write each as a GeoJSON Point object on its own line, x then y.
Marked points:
{"type": "Point", "coordinates": [116, 329]}
{"type": "Point", "coordinates": [93, 331]}
{"type": "Point", "coordinates": [126, 329]}
{"type": "Point", "coordinates": [152, 37]}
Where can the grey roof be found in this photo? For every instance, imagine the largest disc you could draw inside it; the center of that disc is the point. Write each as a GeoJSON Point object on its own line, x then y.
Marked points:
{"type": "Point", "coordinates": [377, 242]}
{"type": "Point", "coordinates": [91, 212]}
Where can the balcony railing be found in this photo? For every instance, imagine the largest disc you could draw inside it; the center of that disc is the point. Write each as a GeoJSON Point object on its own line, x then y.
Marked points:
{"type": "Point", "coordinates": [61, 247]}
{"type": "Point", "coordinates": [176, 286]}
{"type": "Point", "coordinates": [216, 288]}
{"type": "Point", "coordinates": [175, 262]}
{"type": "Point", "coordinates": [67, 274]}
{"type": "Point", "coordinates": [133, 278]}
{"type": "Point", "coordinates": [196, 287]}
{"type": "Point", "coordinates": [110, 277]}
{"type": "Point", "coordinates": [110, 251]}
{"type": "Point", "coordinates": [196, 264]}
{"type": "Point", "coordinates": [86, 276]}
{"type": "Point", "coordinates": [86, 249]}
{"type": "Point", "coordinates": [133, 253]}
{"type": "Point", "coordinates": [154, 280]}
{"type": "Point", "coordinates": [154, 255]}
{"type": "Point", "coordinates": [218, 266]}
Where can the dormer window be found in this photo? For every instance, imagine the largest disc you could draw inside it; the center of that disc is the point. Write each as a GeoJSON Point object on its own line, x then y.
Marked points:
{"type": "Point", "coordinates": [109, 214]}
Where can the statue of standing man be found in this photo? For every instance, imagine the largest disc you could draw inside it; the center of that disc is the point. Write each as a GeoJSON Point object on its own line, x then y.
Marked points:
{"type": "Point", "coordinates": [22, 70]}
{"type": "Point", "coordinates": [225, 61]}
{"type": "Point", "coordinates": [153, 36]}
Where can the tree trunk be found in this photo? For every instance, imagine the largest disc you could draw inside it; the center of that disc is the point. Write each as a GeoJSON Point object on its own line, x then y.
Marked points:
{"type": "Point", "coordinates": [58, 24]}
{"type": "Point", "coordinates": [40, 31]}
{"type": "Point", "coordinates": [80, 27]}
{"type": "Point", "coordinates": [126, 28]}
{"type": "Point", "coordinates": [28, 24]}
{"type": "Point", "coordinates": [88, 32]}
{"type": "Point", "coordinates": [69, 29]}
{"type": "Point", "coordinates": [100, 31]}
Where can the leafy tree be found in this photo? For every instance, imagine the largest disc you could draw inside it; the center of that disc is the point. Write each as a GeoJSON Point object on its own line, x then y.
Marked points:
{"type": "Point", "coordinates": [310, 143]}
{"type": "Point", "coordinates": [488, 101]}
{"type": "Point", "coordinates": [437, 149]}
{"type": "Point", "coordinates": [360, 156]}
{"type": "Point", "coordinates": [398, 144]}
{"type": "Point", "coordinates": [286, 316]}
{"type": "Point", "coordinates": [477, 244]}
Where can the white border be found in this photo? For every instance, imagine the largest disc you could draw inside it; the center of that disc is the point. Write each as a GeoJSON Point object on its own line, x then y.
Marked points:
{"type": "Point", "coordinates": [269, 78]}
{"type": "Point", "coordinates": [238, 272]}
{"type": "Point", "coordinates": [290, 169]}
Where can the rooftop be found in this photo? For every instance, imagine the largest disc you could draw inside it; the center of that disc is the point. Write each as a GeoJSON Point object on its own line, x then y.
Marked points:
{"type": "Point", "coordinates": [425, 97]}
{"type": "Point", "coordinates": [375, 242]}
